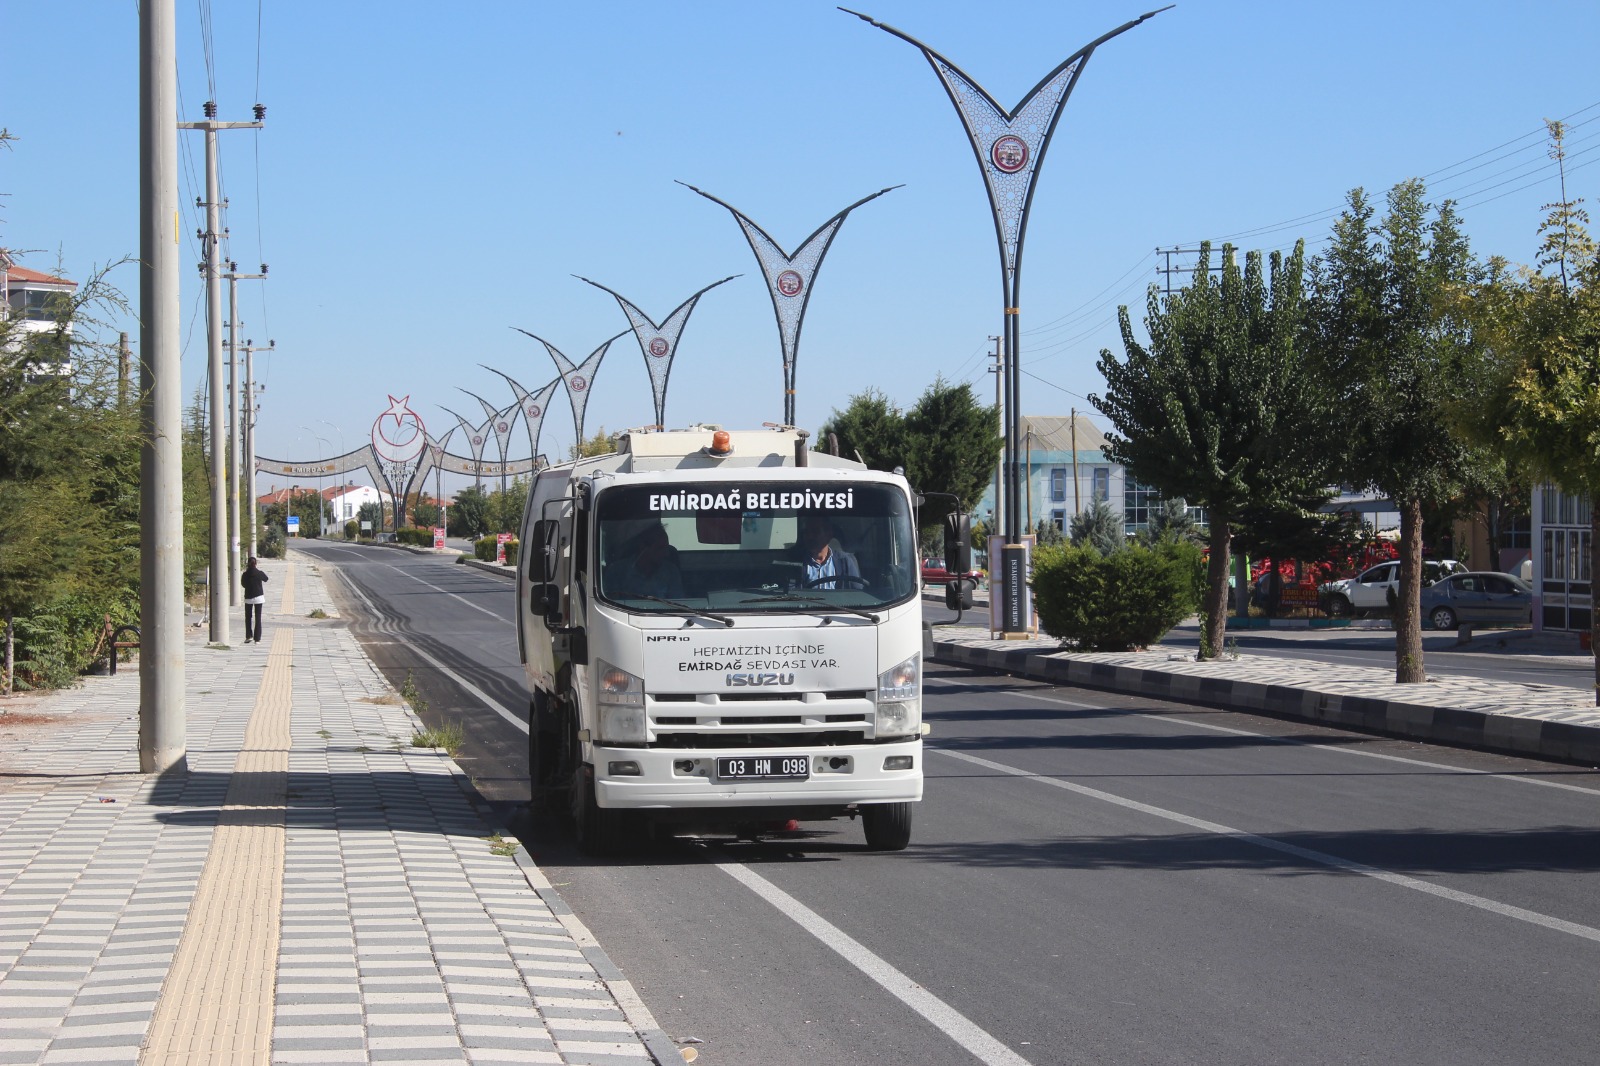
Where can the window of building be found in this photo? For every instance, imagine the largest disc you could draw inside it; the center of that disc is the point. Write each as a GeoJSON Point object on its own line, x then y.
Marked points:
{"type": "Point", "coordinates": [1058, 484]}
{"type": "Point", "coordinates": [1137, 502]}
{"type": "Point", "coordinates": [1102, 483]}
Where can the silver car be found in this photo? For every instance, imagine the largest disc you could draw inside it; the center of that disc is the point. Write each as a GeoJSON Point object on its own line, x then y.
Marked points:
{"type": "Point", "coordinates": [1491, 598]}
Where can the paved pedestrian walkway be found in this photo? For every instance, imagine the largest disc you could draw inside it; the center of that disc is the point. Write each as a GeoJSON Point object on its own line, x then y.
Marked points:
{"type": "Point", "coordinates": [1550, 721]}
{"type": "Point", "coordinates": [313, 890]}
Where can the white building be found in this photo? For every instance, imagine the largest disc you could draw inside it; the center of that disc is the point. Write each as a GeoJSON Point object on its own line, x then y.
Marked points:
{"type": "Point", "coordinates": [31, 299]}
{"type": "Point", "coordinates": [1065, 471]}
{"type": "Point", "coordinates": [346, 500]}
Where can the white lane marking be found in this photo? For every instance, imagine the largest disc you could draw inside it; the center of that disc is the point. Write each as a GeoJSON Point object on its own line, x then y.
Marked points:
{"type": "Point", "coordinates": [404, 573]}
{"type": "Point", "coordinates": [475, 606]}
{"type": "Point", "coordinates": [957, 1026]}
{"type": "Point", "coordinates": [488, 700]}
{"type": "Point", "coordinates": [1349, 866]}
{"type": "Point", "coordinates": [1310, 743]}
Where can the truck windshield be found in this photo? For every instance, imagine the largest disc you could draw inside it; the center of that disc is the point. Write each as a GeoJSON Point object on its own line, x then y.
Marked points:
{"type": "Point", "coordinates": [755, 546]}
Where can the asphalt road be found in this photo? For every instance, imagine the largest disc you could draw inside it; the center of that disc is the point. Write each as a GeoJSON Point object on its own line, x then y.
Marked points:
{"type": "Point", "coordinates": [1092, 879]}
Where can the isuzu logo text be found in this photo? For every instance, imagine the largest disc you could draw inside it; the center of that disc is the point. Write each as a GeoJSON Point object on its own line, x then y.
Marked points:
{"type": "Point", "coordinates": [748, 680]}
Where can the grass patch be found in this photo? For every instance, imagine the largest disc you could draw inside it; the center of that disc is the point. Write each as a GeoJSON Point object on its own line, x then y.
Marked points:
{"type": "Point", "coordinates": [500, 845]}
{"type": "Point", "coordinates": [324, 734]}
{"type": "Point", "coordinates": [362, 748]}
{"type": "Point", "coordinates": [412, 695]}
{"type": "Point", "coordinates": [448, 736]}
{"type": "Point", "coordinates": [388, 699]}
{"type": "Point", "coordinates": [317, 612]}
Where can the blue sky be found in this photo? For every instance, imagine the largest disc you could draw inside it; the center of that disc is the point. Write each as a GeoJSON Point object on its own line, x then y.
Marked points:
{"type": "Point", "coordinates": [433, 176]}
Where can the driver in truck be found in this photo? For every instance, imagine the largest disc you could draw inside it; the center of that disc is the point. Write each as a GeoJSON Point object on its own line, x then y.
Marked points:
{"type": "Point", "coordinates": [825, 562]}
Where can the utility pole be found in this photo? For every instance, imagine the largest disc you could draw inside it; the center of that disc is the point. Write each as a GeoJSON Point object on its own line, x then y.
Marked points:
{"type": "Point", "coordinates": [1168, 270]}
{"type": "Point", "coordinates": [250, 411]}
{"type": "Point", "coordinates": [999, 372]}
{"type": "Point", "coordinates": [1077, 505]}
{"type": "Point", "coordinates": [235, 433]}
{"type": "Point", "coordinates": [212, 267]}
{"type": "Point", "coordinates": [163, 741]}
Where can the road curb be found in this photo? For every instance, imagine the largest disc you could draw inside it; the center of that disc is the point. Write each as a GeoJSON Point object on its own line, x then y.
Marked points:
{"type": "Point", "coordinates": [1462, 727]}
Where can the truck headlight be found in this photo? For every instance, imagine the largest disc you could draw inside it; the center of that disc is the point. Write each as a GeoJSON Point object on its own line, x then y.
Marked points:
{"type": "Point", "coordinates": [899, 704]}
{"type": "Point", "coordinates": [620, 697]}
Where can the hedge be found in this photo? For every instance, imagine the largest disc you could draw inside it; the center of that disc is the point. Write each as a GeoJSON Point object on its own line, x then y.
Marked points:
{"type": "Point", "coordinates": [415, 536]}
{"type": "Point", "coordinates": [1128, 599]}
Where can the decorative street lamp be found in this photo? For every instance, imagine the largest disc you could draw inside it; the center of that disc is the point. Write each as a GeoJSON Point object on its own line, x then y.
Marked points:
{"type": "Point", "coordinates": [1009, 147]}
{"type": "Point", "coordinates": [789, 277]}
{"type": "Point", "coordinates": [578, 378]}
{"type": "Point", "coordinates": [659, 343]}
{"type": "Point", "coordinates": [535, 405]}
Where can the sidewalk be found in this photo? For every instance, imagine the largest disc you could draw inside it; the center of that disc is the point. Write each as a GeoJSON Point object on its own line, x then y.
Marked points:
{"type": "Point", "coordinates": [315, 889]}
{"type": "Point", "coordinates": [1547, 721]}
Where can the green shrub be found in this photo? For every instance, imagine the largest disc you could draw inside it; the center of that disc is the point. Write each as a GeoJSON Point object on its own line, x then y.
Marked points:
{"type": "Point", "coordinates": [273, 542]}
{"type": "Point", "coordinates": [415, 536]}
{"type": "Point", "coordinates": [1128, 599]}
{"type": "Point", "coordinates": [352, 529]}
{"type": "Point", "coordinates": [57, 642]}
{"type": "Point", "coordinates": [483, 548]}
{"type": "Point", "coordinates": [513, 550]}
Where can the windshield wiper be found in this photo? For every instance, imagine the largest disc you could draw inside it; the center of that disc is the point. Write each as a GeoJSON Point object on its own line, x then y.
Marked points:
{"type": "Point", "coordinates": [813, 601]}
{"type": "Point", "coordinates": [686, 609]}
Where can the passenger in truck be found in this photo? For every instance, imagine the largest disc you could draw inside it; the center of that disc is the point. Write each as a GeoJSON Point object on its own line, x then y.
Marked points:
{"type": "Point", "coordinates": [650, 568]}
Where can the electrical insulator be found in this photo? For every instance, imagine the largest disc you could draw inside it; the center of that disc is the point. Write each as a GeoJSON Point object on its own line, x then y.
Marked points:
{"type": "Point", "coordinates": [261, 112]}
{"type": "Point", "coordinates": [263, 268]}
{"type": "Point", "coordinates": [211, 109]}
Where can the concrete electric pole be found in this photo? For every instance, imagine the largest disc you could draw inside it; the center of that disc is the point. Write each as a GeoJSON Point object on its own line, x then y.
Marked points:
{"type": "Point", "coordinates": [163, 742]}
{"type": "Point", "coordinates": [235, 434]}
{"type": "Point", "coordinates": [212, 237]}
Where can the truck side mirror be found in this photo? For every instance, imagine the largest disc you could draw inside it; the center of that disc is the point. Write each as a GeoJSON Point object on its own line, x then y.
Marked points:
{"type": "Point", "coordinates": [546, 600]}
{"type": "Point", "coordinates": [958, 594]}
{"type": "Point", "coordinates": [958, 543]}
{"type": "Point", "coordinates": [546, 551]}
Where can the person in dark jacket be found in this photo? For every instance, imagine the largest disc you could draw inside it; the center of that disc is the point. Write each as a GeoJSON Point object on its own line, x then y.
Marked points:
{"type": "Point", "coordinates": [255, 598]}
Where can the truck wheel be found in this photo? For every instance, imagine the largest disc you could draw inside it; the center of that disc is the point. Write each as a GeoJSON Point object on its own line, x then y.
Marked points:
{"type": "Point", "coordinates": [888, 825]}
{"type": "Point", "coordinates": [599, 831]}
{"type": "Point", "coordinates": [1339, 606]}
{"type": "Point", "coordinates": [544, 754]}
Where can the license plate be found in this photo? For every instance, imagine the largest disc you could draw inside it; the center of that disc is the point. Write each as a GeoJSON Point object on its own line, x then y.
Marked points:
{"type": "Point", "coordinates": [764, 768]}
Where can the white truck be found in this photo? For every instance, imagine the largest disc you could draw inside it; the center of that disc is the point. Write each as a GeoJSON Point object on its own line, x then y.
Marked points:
{"type": "Point", "coordinates": [722, 629]}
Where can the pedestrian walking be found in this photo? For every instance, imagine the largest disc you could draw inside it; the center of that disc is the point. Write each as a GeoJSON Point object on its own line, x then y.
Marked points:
{"type": "Point", "coordinates": [255, 598]}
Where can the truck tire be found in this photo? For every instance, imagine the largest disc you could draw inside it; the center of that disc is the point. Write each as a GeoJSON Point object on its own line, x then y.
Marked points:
{"type": "Point", "coordinates": [546, 781]}
{"type": "Point", "coordinates": [1339, 606]}
{"type": "Point", "coordinates": [887, 825]}
{"type": "Point", "coordinates": [599, 831]}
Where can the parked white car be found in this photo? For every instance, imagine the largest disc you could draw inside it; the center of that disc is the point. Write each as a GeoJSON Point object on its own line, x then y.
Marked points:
{"type": "Point", "coordinates": [1368, 591]}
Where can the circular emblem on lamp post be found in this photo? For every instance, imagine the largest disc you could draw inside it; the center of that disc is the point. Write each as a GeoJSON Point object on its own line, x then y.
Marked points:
{"type": "Point", "coordinates": [577, 383]}
{"type": "Point", "coordinates": [477, 440]}
{"type": "Point", "coordinates": [1009, 153]}
{"type": "Point", "coordinates": [790, 283]}
{"type": "Point", "coordinates": [532, 410]}
{"type": "Point", "coordinates": [501, 427]}
{"type": "Point", "coordinates": [659, 347]}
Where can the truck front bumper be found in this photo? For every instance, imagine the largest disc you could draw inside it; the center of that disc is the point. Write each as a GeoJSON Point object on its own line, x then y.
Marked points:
{"type": "Point", "coordinates": [679, 778]}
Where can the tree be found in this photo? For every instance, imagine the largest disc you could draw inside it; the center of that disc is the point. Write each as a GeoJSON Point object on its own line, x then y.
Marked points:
{"type": "Point", "coordinates": [1098, 526]}
{"type": "Point", "coordinates": [69, 470]}
{"type": "Point", "coordinates": [1388, 334]}
{"type": "Point", "coordinates": [1539, 402]}
{"type": "Point", "coordinates": [870, 429]}
{"type": "Point", "coordinates": [1171, 521]}
{"type": "Point", "coordinates": [946, 443]}
{"type": "Point", "coordinates": [1221, 409]}
{"type": "Point", "coordinates": [602, 443]}
{"type": "Point", "coordinates": [372, 514]}
{"type": "Point", "coordinates": [950, 442]}
{"type": "Point", "coordinates": [470, 516]}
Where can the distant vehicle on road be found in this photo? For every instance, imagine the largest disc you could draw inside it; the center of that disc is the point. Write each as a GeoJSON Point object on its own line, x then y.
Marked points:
{"type": "Point", "coordinates": [935, 573]}
{"type": "Point", "coordinates": [1491, 598]}
{"type": "Point", "coordinates": [1369, 590]}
